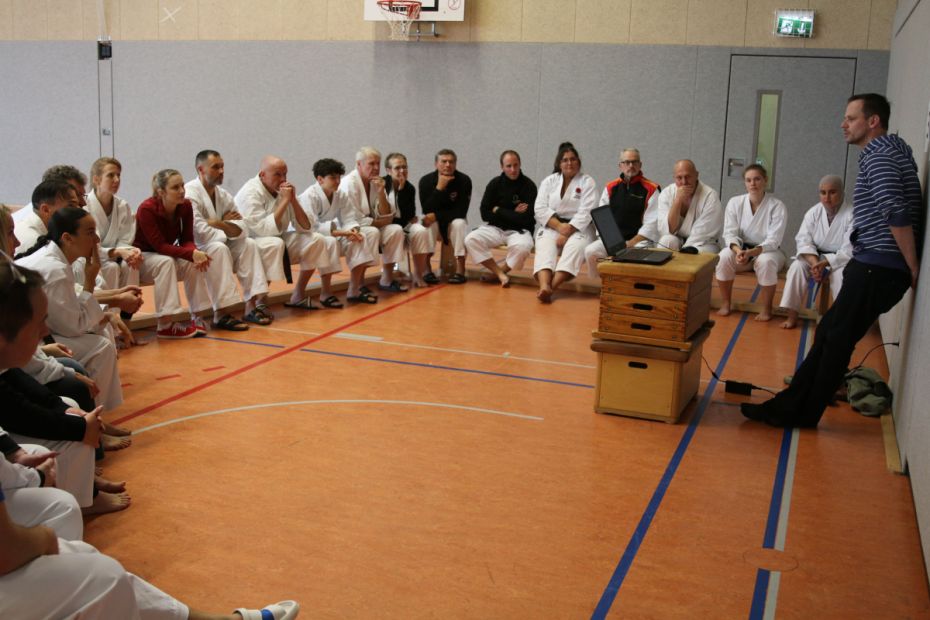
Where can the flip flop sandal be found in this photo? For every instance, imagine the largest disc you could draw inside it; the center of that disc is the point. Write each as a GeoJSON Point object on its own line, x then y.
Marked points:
{"type": "Point", "coordinates": [264, 310]}
{"type": "Point", "coordinates": [303, 304]}
{"type": "Point", "coordinates": [331, 302]}
{"type": "Point", "coordinates": [363, 298]}
{"type": "Point", "coordinates": [394, 287]}
{"type": "Point", "coordinates": [431, 278]}
{"type": "Point", "coordinates": [457, 278]}
{"type": "Point", "coordinates": [364, 289]}
{"type": "Point", "coordinates": [230, 323]}
{"type": "Point", "coordinates": [257, 317]}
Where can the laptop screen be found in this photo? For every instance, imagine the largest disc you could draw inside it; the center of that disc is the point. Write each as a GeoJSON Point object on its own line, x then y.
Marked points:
{"type": "Point", "coordinates": [608, 230]}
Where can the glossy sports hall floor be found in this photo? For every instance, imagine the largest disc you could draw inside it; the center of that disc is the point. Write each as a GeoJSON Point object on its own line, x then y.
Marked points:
{"type": "Point", "coordinates": [437, 455]}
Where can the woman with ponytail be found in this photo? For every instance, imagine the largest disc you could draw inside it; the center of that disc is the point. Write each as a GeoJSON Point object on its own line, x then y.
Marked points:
{"type": "Point", "coordinates": [165, 234]}
{"type": "Point", "coordinates": [76, 320]}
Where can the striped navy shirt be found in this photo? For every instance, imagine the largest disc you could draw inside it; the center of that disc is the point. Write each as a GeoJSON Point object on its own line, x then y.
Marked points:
{"type": "Point", "coordinates": [887, 194]}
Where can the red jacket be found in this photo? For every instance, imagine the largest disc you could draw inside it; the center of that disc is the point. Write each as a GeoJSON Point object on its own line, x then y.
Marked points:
{"type": "Point", "coordinates": [157, 232]}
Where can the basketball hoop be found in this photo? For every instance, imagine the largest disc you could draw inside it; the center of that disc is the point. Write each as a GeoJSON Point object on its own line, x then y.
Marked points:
{"type": "Point", "coordinates": [400, 14]}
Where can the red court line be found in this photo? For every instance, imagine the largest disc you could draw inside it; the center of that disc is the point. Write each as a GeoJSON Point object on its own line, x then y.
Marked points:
{"type": "Point", "coordinates": [174, 376]}
{"type": "Point", "coordinates": [270, 358]}
{"type": "Point", "coordinates": [213, 368]}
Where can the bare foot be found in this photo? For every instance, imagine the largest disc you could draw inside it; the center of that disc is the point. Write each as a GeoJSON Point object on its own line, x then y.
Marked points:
{"type": "Point", "coordinates": [98, 471]}
{"type": "Point", "coordinates": [544, 295]}
{"type": "Point", "coordinates": [109, 486]}
{"type": "Point", "coordinates": [110, 442]}
{"type": "Point", "coordinates": [724, 310]}
{"type": "Point", "coordinates": [116, 431]}
{"type": "Point", "coordinates": [762, 317]}
{"type": "Point", "coordinates": [505, 281]}
{"type": "Point", "coordinates": [107, 502]}
{"type": "Point", "coordinates": [789, 324]}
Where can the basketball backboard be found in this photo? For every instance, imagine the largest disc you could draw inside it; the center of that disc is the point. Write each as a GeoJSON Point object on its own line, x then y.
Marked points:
{"type": "Point", "coordinates": [430, 11]}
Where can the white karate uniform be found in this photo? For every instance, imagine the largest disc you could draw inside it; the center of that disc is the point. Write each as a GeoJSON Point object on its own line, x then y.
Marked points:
{"type": "Point", "coordinates": [30, 505]}
{"type": "Point", "coordinates": [420, 239]}
{"type": "Point", "coordinates": [700, 228]}
{"type": "Point", "coordinates": [826, 240]}
{"type": "Point", "coordinates": [305, 247]}
{"type": "Point", "coordinates": [249, 256]}
{"type": "Point", "coordinates": [580, 197]}
{"type": "Point", "coordinates": [595, 252]}
{"type": "Point", "coordinates": [360, 209]}
{"type": "Point", "coordinates": [28, 227]}
{"type": "Point", "coordinates": [325, 215]}
{"type": "Point", "coordinates": [765, 228]}
{"type": "Point", "coordinates": [75, 321]}
{"type": "Point", "coordinates": [117, 230]}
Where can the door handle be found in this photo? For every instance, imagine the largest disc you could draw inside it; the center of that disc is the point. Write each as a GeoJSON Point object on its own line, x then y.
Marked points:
{"type": "Point", "coordinates": [733, 164]}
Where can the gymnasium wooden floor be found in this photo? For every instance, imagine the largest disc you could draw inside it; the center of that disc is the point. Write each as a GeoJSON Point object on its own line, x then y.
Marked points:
{"type": "Point", "coordinates": [437, 456]}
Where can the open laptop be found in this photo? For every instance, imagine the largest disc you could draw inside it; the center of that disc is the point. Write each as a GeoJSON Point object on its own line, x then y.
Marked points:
{"type": "Point", "coordinates": [616, 245]}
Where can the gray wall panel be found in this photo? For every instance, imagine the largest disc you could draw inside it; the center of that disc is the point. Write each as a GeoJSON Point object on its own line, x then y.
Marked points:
{"type": "Point", "coordinates": [50, 112]}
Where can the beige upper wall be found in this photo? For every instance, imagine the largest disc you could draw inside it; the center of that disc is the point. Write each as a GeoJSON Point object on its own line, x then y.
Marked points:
{"type": "Point", "coordinates": [840, 24]}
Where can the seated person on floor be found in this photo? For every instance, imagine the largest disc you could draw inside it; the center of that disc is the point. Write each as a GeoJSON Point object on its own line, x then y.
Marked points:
{"type": "Point", "coordinates": [688, 216]}
{"type": "Point", "coordinates": [563, 222]}
{"type": "Point", "coordinates": [31, 414]}
{"type": "Point", "coordinates": [270, 208]}
{"type": "Point", "coordinates": [367, 208]}
{"type": "Point", "coordinates": [507, 208]}
{"type": "Point", "coordinates": [401, 195]}
{"type": "Point", "coordinates": [752, 235]}
{"type": "Point", "coordinates": [824, 248]}
{"type": "Point", "coordinates": [445, 195]}
{"type": "Point", "coordinates": [216, 220]}
{"type": "Point", "coordinates": [633, 201]}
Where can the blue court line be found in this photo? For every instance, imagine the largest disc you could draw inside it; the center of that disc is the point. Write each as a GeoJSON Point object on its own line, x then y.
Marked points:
{"type": "Point", "coordinates": [760, 591]}
{"type": "Point", "coordinates": [392, 361]}
{"type": "Point", "coordinates": [452, 368]}
{"type": "Point", "coordinates": [639, 534]}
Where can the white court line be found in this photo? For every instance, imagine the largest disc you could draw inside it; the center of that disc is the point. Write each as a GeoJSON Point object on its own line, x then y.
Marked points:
{"type": "Point", "coordinates": [781, 533]}
{"type": "Point", "coordinates": [338, 402]}
{"type": "Point", "coordinates": [507, 356]}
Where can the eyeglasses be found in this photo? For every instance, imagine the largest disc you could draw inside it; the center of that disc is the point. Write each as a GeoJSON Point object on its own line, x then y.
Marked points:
{"type": "Point", "coordinates": [630, 162]}
{"type": "Point", "coordinates": [16, 273]}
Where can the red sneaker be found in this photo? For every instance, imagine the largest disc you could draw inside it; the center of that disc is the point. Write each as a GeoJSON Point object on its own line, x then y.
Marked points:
{"type": "Point", "coordinates": [177, 331]}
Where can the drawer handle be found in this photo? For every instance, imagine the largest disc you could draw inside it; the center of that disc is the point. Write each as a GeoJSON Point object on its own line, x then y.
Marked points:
{"type": "Point", "coordinates": [642, 307]}
{"type": "Point", "coordinates": [641, 326]}
{"type": "Point", "coordinates": [640, 365]}
{"type": "Point", "coordinates": [645, 286]}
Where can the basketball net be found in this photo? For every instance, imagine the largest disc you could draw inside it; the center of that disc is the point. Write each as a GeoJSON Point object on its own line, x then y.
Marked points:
{"type": "Point", "coordinates": [400, 14]}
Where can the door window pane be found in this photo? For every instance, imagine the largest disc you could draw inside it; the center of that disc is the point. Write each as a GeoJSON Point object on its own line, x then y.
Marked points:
{"type": "Point", "coordinates": [766, 146]}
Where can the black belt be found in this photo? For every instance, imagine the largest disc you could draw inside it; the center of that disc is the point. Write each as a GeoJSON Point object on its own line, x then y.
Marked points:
{"type": "Point", "coordinates": [564, 220]}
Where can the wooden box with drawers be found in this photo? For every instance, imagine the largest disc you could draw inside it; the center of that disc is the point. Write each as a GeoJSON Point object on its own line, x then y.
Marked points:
{"type": "Point", "coordinates": [655, 304]}
{"type": "Point", "coordinates": [645, 381]}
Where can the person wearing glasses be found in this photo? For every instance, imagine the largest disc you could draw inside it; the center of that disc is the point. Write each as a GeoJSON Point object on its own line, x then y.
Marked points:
{"type": "Point", "coordinates": [633, 201]}
{"type": "Point", "coordinates": [689, 216]}
{"type": "Point", "coordinates": [401, 195]}
{"type": "Point", "coordinates": [563, 222]}
{"type": "Point", "coordinates": [506, 207]}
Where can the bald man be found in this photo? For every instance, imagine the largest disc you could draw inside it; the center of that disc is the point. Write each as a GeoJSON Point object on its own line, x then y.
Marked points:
{"type": "Point", "coordinates": [268, 204]}
{"type": "Point", "coordinates": [689, 214]}
{"type": "Point", "coordinates": [824, 247]}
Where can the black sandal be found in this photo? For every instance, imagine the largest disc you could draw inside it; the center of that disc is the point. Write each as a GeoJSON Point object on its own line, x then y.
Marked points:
{"type": "Point", "coordinates": [363, 298]}
{"type": "Point", "coordinates": [457, 278]}
{"type": "Point", "coordinates": [230, 323]}
{"type": "Point", "coordinates": [331, 302]}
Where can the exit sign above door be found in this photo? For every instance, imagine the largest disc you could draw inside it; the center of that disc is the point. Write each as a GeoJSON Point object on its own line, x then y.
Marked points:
{"type": "Point", "coordinates": [797, 23]}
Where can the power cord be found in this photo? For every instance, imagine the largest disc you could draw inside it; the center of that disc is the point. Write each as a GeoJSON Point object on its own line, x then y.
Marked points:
{"type": "Point", "coordinates": [873, 349]}
{"type": "Point", "coordinates": [735, 387]}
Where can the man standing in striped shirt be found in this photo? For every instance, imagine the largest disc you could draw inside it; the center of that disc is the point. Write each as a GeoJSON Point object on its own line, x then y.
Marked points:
{"type": "Point", "coordinates": [886, 225]}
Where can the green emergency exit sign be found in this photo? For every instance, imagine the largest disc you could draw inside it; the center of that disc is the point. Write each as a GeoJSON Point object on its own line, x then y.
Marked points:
{"type": "Point", "coordinates": [794, 23]}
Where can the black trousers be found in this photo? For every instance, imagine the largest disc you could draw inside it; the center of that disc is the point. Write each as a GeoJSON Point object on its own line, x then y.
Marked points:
{"type": "Point", "coordinates": [868, 291]}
